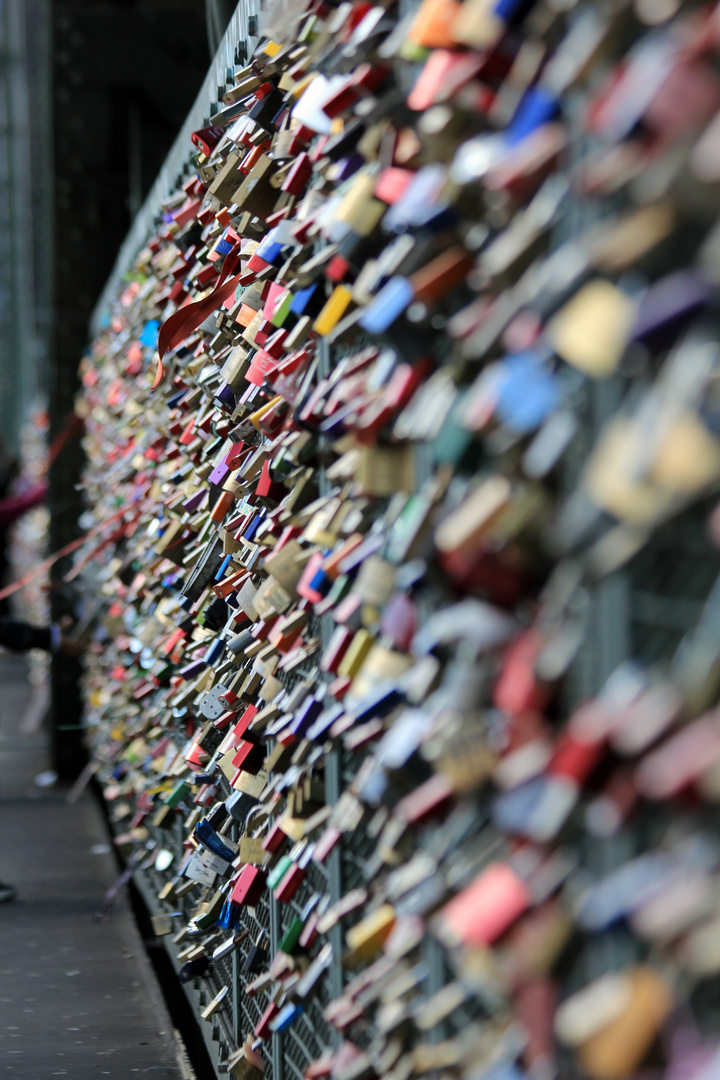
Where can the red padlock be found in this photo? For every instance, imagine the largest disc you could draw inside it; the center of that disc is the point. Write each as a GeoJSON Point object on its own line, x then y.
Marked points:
{"type": "Point", "coordinates": [275, 839]}
{"type": "Point", "coordinates": [262, 1031]}
{"type": "Point", "coordinates": [250, 885]}
{"type": "Point", "coordinates": [290, 884]}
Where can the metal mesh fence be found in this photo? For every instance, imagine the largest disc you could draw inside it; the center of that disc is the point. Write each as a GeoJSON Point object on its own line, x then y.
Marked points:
{"type": "Point", "coordinates": [669, 583]}
{"type": "Point", "coordinates": [666, 587]}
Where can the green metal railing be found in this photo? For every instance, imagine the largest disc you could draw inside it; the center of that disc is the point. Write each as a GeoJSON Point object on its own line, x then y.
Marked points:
{"type": "Point", "coordinates": [25, 209]}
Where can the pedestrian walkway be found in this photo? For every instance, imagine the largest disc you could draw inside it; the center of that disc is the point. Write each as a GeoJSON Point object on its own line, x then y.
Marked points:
{"type": "Point", "coordinates": [78, 996]}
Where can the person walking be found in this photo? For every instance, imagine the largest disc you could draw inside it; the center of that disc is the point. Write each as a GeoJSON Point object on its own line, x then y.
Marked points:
{"type": "Point", "coordinates": [19, 636]}
{"type": "Point", "coordinates": [16, 634]}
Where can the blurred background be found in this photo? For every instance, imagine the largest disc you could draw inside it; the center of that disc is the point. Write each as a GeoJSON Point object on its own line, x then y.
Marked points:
{"type": "Point", "coordinates": [92, 95]}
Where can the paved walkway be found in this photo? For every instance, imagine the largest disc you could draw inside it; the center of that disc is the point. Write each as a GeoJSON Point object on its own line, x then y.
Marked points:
{"type": "Point", "coordinates": [78, 997]}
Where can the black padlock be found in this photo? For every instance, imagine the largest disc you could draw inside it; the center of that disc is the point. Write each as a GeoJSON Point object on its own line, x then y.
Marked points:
{"type": "Point", "coordinates": [257, 956]}
{"type": "Point", "coordinates": [193, 969]}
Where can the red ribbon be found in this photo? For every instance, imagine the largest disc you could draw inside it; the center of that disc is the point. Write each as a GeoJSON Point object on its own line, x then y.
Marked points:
{"type": "Point", "coordinates": [180, 325]}
{"type": "Point", "coordinates": [67, 550]}
{"type": "Point", "coordinates": [72, 425]}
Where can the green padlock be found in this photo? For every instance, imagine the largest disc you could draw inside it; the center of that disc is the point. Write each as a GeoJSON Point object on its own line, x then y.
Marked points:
{"type": "Point", "coordinates": [289, 940]}
{"type": "Point", "coordinates": [278, 872]}
{"type": "Point", "coordinates": [178, 793]}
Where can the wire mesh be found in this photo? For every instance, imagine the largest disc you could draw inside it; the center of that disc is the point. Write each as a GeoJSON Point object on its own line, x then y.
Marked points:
{"type": "Point", "coordinates": [356, 847]}
{"type": "Point", "coordinates": [669, 582]}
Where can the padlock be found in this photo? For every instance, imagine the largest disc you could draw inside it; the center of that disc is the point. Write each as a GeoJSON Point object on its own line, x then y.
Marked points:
{"type": "Point", "coordinates": [216, 702]}
{"type": "Point", "coordinates": [249, 886]}
{"type": "Point", "coordinates": [257, 956]}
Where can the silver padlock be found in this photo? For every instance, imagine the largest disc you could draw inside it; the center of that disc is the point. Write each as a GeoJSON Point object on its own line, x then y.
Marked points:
{"type": "Point", "coordinates": [215, 703]}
